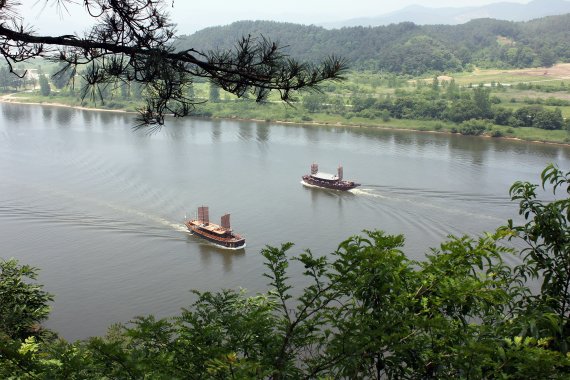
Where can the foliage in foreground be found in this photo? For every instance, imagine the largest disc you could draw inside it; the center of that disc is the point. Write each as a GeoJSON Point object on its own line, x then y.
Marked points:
{"type": "Point", "coordinates": [366, 311]}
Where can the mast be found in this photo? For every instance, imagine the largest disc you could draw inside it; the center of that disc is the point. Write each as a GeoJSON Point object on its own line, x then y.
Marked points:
{"type": "Point", "coordinates": [314, 168]}
{"type": "Point", "coordinates": [340, 172]}
{"type": "Point", "coordinates": [203, 215]}
{"type": "Point", "coordinates": [225, 223]}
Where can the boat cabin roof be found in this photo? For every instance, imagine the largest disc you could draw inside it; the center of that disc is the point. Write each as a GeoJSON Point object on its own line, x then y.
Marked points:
{"type": "Point", "coordinates": [325, 176]}
{"type": "Point", "coordinates": [211, 227]}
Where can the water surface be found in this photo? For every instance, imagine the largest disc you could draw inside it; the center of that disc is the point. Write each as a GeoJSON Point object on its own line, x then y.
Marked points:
{"type": "Point", "coordinates": [99, 208]}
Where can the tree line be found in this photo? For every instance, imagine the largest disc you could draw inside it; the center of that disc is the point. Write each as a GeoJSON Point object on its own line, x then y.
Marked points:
{"type": "Point", "coordinates": [443, 101]}
{"type": "Point", "coordinates": [11, 82]}
{"type": "Point", "coordinates": [367, 311]}
{"type": "Point", "coordinates": [410, 49]}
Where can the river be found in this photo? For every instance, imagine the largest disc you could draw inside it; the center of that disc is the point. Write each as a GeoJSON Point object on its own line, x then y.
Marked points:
{"type": "Point", "coordinates": [99, 208]}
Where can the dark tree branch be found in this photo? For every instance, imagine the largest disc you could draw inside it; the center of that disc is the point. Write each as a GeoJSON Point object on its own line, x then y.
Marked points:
{"type": "Point", "coordinates": [133, 42]}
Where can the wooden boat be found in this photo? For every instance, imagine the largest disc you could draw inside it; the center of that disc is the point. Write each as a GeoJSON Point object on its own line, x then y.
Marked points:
{"type": "Point", "coordinates": [328, 181]}
{"type": "Point", "coordinates": [219, 234]}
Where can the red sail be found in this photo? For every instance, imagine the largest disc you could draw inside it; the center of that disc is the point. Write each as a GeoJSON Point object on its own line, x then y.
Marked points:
{"type": "Point", "coordinates": [226, 221]}
{"type": "Point", "coordinates": [203, 215]}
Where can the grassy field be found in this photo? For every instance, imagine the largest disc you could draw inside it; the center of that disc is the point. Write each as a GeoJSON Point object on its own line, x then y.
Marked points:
{"type": "Point", "coordinates": [551, 76]}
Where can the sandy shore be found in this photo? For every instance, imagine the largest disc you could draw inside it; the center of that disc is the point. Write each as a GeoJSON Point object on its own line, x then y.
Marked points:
{"type": "Point", "coordinates": [10, 98]}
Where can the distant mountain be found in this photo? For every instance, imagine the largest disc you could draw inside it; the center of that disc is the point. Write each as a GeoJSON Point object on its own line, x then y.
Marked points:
{"type": "Point", "coordinates": [421, 15]}
{"type": "Point", "coordinates": [407, 48]}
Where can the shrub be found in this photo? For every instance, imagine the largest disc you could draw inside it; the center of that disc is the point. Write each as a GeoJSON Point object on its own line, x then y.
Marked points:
{"type": "Point", "coordinates": [203, 113]}
{"type": "Point", "coordinates": [23, 303]}
{"type": "Point", "coordinates": [367, 114]}
{"type": "Point", "coordinates": [473, 127]}
{"type": "Point", "coordinates": [385, 115]}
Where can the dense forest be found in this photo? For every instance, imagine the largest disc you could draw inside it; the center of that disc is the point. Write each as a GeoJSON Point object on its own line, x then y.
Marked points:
{"type": "Point", "coordinates": [407, 48]}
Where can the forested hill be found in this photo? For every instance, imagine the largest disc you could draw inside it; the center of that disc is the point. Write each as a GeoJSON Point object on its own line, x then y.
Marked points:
{"type": "Point", "coordinates": [407, 48]}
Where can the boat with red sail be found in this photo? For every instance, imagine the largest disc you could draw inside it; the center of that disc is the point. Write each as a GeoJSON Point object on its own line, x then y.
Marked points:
{"type": "Point", "coordinates": [328, 181]}
{"type": "Point", "coordinates": [219, 234]}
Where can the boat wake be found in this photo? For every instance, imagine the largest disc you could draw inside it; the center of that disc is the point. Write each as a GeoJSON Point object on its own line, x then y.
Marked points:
{"type": "Point", "coordinates": [81, 218]}
{"type": "Point", "coordinates": [144, 215]}
{"type": "Point", "coordinates": [227, 248]}
{"type": "Point", "coordinates": [366, 192]}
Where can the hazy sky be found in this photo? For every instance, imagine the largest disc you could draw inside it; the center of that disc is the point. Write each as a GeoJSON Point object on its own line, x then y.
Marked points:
{"type": "Point", "coordinates": [195, 15]}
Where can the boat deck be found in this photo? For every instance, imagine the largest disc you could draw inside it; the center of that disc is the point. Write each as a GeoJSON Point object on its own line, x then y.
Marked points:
{"type": "Point", "coordinates": [210, 227]}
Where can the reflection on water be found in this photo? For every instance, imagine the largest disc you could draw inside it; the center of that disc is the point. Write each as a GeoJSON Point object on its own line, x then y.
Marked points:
{"type": "Point", "coordinates": [108, 118]}
{"type": "Point", "coordinates": [311, 133]}
{"type": "Point", "coordinates": [216, 130]}
{"type": "Point", "coordinates": [87, 117]}
{"type": "Point", "coordinates": [63, 119]}
{"type": "Point", "coordinates": [468, 148]}
{"type": "Point", "coordinates": [47, 113]}
{"type": "Point", "coordinates": [209, 252]}
{"type": "Point", "coordinates": [403, 139]}
{"type": "Point", "coordinates": [245, 132]}
{"type": "Point", "coordinates": [262, 132]}
{"type": "Point", "coordinates": [15, 113]}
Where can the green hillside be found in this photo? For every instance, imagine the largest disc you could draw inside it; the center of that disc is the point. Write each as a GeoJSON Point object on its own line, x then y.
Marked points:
{"type": "Point", "coordinates": [407, 48]}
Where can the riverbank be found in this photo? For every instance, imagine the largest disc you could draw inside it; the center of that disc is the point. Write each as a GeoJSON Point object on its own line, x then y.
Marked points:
{"type": "Point", "coordinates": [282, 114]}
{"type": "Point", "coordinates": [395, 128]}
{"type": "Point", "coordinates": [10, 98]}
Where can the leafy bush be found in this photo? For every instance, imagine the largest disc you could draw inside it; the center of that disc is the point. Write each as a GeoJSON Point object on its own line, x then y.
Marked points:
{"type": "Point", "coordinates": [473, 127]}
{"type": "Point", "coordinates": [23, 304]}
{"type": "Point", "coordinates": [367, 114]}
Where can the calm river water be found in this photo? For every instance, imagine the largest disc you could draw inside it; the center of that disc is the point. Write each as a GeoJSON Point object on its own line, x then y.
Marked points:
{"type": "Point", "coordinates": [99, 207]}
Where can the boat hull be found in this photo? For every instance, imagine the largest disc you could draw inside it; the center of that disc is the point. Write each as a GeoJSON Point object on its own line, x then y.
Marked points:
{"type": "Point", "coordinates": [332, 185]}
{"type": "Point", "coordinates": [234, 242]}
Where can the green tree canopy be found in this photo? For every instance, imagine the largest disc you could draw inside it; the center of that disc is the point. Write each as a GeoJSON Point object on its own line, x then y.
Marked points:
{"type": "Point", "coordinates": [23, 303]}
{"type": "Point", "coordinates": [45, 88]}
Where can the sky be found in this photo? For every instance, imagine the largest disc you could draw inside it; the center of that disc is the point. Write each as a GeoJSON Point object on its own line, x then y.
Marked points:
{"type": "Point", "coordinates": [191, 16]}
